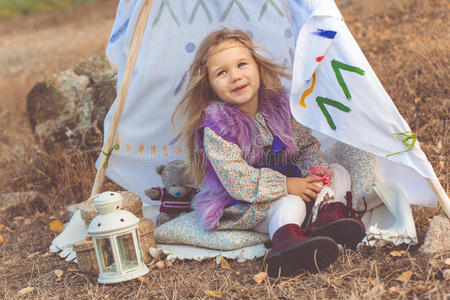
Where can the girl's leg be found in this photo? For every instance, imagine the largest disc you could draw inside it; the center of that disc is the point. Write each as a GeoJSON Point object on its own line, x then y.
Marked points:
{"type": "Point", "coordinates": [292, 251]}
{"type": "Point", "coordinates": [341, 183]}
{"type": "Point", "coordinates": [290, 209]}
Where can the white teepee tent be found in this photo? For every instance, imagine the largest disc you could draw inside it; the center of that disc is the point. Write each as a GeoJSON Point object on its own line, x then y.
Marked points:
{"type": "Point", "coordinates": [334, 90]}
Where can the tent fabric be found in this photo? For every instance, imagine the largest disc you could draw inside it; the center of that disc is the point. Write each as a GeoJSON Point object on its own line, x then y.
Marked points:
{"type": "Point", "coordinates": [342, 97]}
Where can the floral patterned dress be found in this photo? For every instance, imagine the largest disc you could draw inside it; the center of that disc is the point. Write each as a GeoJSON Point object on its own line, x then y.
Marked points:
{"type": "Point", "coordinates": [256, 186]}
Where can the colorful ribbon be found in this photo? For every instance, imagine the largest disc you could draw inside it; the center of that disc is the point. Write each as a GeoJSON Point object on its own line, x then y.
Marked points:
{"type": "Point", "coordinates": [407, 138]}
{"type": "Point", "coordinates": [108, 155]}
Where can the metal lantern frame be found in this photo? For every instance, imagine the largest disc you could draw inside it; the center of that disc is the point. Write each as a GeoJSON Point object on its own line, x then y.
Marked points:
{"type": "Point", "coordinates": [116, 240]}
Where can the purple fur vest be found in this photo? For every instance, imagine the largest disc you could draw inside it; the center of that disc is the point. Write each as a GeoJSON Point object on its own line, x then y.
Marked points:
{"type": "Point", "coordinates": [237, 127]}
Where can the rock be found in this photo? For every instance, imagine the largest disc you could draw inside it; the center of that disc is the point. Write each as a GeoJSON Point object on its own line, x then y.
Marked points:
{"type": "Point", "coordinates": [10, 201]}
{"type": "Point", "coordinates": [66, 110]}
{"type": "Point", "coordinates": [434, 241]}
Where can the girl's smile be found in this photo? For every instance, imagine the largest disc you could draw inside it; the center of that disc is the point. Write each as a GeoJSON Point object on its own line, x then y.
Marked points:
{"type": "Point", "coordinates": [233, 75]}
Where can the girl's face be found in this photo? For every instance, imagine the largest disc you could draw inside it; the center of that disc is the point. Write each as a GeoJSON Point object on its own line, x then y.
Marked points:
{"type": "Point", "coordinates": [233, 75]}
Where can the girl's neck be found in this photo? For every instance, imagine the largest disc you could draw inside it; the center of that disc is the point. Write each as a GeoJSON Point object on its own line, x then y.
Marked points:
{"type": "Point", "coordinates": [251, 109]}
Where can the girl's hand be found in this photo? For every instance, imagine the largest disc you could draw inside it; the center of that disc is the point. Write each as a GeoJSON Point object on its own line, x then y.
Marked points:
{"type": "Point", "coordinates": [306, 188]}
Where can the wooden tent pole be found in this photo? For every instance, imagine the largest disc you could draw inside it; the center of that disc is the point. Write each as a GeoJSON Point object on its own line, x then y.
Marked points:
{"type": "Point", "coordinates": [441, 195]}
{"type": "Point", "coordinates": [122, 97]}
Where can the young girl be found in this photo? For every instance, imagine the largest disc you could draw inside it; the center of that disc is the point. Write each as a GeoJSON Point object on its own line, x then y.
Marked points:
{"type": "Point", "coordinates": [256, 164]}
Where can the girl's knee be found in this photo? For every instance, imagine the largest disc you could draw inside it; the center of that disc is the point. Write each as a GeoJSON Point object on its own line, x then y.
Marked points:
{"type": "Point", "coordinates": [293, 201]}
{"type": "Point", "coordinates": [341, 178]}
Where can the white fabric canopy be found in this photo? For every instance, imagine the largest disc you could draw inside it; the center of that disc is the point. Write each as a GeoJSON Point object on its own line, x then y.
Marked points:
{"type": "Point", "coordinates": [343, 99]}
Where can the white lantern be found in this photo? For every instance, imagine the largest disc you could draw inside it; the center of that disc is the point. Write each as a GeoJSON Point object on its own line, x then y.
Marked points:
{"type": "Point", "coordinates": [116, 240]}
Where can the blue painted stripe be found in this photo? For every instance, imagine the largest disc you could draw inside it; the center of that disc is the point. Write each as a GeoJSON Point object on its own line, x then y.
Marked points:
{"type": "Point", "coordinates": [180, 84]}
{"type": "Point", "coordinates": [119, 32]}
{"type": "Point", "coordinates": [329, 34]}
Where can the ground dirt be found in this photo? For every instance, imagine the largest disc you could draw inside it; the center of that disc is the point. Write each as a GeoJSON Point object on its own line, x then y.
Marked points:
{"type": "Point", "coordinates": [406, 42]}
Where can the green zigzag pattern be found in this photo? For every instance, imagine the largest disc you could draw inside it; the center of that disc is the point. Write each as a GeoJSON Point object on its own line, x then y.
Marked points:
{"type": "Point", "coordinates": [264, 8]}
{"type": "Point", "coordinates": [228, 9]}
{"type": "Point", "coordinates": [196, 7]}
{"type": "Point", "coordinates": [165, 3]}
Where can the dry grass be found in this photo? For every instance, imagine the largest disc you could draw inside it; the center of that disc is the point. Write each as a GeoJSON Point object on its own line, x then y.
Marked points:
{"type": "Point", "coordinates": [406, 42]}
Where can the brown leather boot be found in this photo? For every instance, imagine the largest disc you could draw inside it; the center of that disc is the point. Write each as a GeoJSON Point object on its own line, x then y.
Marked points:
{"type": "Point", "coordinates": [292, 252]}
{"type": "Point", "coordinates": [339, 222]}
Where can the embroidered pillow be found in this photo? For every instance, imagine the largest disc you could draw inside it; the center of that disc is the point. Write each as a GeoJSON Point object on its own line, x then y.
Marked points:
{"type": "Point", "coordinates": [186, 230]}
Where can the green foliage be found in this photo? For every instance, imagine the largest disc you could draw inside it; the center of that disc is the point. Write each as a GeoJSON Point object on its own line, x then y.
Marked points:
{"type": "Point", "coordinates": [16, 8]}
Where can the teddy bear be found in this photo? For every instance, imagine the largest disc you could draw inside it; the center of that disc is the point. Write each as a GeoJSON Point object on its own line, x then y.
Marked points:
{"type": "Point", "coordinates": [177, 193]}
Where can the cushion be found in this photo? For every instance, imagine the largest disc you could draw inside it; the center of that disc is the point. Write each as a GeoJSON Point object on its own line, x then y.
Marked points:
{"type": "Point", "coordinates": [187, 230]}
{"type": "Point", "coordinates": [359, 164]}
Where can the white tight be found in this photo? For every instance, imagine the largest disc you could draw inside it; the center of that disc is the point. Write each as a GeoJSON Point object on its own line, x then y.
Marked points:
{"type": "Point", "coordinates": [292, 209]}
{"type": "Point", "coordinates": [286, 210]}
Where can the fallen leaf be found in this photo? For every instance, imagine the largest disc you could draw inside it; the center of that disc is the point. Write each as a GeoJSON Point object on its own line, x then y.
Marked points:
{"type": "Point", "coordinates": [1, 239]}
{"type": "Point", "coordinates": [394, 290]}
{"type": "Point", "coordinates": [419, 289]}
{"type": "Point", "coordinates": [27, 222]}
{"type": "Point", "coordinates": [447, 261]}
{"type": "Point", "coordinates": [5, 228]}
{"type": "Point", "coordinates": [224, 264]}
{"type": "Point", "coordinates": [405, 276]}
{"type": "Point", "coordinates": [214, 294]}
{"type": "Point", "coordinates": [72, 270]}
{"type": "Point", "coordinates": [397, 253]}
{"type": "Point", "coordinates": [56, 226]}
{"type": "Point", "coordinates": [168, 262]}
{"type": "Point", "coordinates": [260, 277]}
{"type": "Point", "coordinates": [33, 254]}
{"type": "Point", "coordinates": [25, 291]}
{"type": "Point", "coordinates": [160, 265]}
{"type": "Point", "coordinates": [417, 100]}
{"type": "Point", "coordinates": [7, 262]}
{"type": "Point", "coordinates": [143, 280]}
{"type": "Point", "coordinates": [19, 219]}
{"type": "Point", "coordinates": [372, 281]}
{"type": "Point", "coordinates": [48, 254]}
{"type": "Point", "coordinates": [59, 273]}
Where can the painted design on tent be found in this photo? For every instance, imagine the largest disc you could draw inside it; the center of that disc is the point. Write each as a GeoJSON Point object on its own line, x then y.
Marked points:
{"type": "Point", "coordinates": [128, 147]}
{"type": "Point", "coordinates": [165, 3]}
{"type": "Point", "coordinates": [291, 54]}
{"type": "Point", "coordinates": [180, 84]}
{"type": "Point", "coordinates": [319, 58]}
{"type": "Point", "coordinates": [288, 33]}
{"type": "Point", "coordinates": [205, 9]}
{"type": "Point", "coordinates": [321, 102]}
{"type": "Point", "coordinates": [407, 138]}
{"type": "Point", "coordinates": [141, 149]}
{"type": "Point", "coordinates": [264, 8]}
{"type": "Point", "coordinates": [308, 91]}
{"type": "Point", "coordinates": [116, 35]}
{"type": "Point", "coordinates": [328, 34]}
{"type": "Point", "coordinates": [228, 9]}
{"type": "Point", "coordinates": [337, 66]}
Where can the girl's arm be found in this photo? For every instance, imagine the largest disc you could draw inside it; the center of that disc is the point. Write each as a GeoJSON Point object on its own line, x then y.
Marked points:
{"type": "Point", "coordinates": [309, 147]}
{"type": "Point", "coordinates": [242, 181]}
